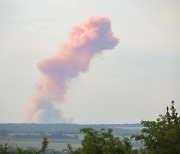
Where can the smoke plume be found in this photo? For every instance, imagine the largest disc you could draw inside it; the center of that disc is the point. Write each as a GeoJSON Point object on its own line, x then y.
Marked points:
{"type": "Point", "coordinates": [85, 40]}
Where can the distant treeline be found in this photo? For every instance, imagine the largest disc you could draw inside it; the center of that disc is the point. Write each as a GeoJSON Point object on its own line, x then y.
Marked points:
{"type": "Point", "coordinates": [118, 129]}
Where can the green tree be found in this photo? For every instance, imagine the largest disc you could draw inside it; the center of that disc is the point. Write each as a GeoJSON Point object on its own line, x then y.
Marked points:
{"type": "Point", "coordinates": [44, 145]}
{"type": "Point", "coordinates": [163, 135]}
{"type": "Point", "coordinates": [101, 142]}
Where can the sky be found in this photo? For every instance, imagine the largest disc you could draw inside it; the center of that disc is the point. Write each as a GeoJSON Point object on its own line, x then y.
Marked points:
{"type": "Point", "coordinates": [134, 81]}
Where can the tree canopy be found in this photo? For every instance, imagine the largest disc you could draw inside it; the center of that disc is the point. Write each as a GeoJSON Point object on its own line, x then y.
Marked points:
{"type": "Point", "coordinates": [163, 135]}
{"type": "Point", "coordinates": [102, 142]}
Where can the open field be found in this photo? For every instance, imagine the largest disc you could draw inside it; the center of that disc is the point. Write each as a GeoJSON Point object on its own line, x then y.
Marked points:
{"type": "Point", "coordinates": [37, 144]}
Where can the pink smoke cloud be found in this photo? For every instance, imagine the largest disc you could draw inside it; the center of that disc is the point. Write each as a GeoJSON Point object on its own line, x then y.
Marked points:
{"type": "Point", "coordinates": [85, 40]}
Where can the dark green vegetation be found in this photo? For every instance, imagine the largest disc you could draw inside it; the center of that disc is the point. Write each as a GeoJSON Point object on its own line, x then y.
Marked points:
{"type": "Point", "coordinates": [102, 142]}
{"type": "Point", "coordinates": [44, 145]}
{"type": "Point", "coordinates": [161, 136]}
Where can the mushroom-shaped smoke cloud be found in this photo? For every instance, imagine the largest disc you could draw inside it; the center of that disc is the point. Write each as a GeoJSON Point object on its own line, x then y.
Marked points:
{"type": "Point", "coordinates": [84, 41]}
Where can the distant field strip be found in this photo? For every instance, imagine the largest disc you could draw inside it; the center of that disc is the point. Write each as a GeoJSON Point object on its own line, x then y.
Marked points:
{"type": "Point", "coordinates": [37, 144]}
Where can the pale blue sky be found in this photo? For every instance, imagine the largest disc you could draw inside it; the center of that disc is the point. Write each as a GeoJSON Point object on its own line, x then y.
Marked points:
{"type": "Point", "coordinates": [134, 81]}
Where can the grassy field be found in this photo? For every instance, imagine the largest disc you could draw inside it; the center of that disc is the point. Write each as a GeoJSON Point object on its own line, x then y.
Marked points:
{"type": "Point", "coordinates": [37, 144]}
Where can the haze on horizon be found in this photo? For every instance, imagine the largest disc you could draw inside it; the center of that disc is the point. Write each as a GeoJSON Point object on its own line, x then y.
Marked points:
{"type": "Point", "coordinates": [134, 81]}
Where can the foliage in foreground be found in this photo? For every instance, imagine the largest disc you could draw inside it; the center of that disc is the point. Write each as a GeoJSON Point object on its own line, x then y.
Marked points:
{"type": "Point", "coordinates": [101, 142]}
{"type": "Point", "coordinates": [6, 149]}
{"type": "Point", "coordinates": [163, 135]}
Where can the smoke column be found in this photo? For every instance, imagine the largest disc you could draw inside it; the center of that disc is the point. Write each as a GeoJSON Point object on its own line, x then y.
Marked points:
{"type": "Point", "coordinates": [85, 40]}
